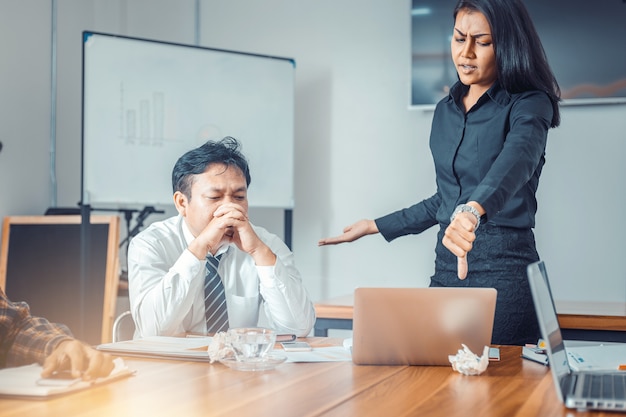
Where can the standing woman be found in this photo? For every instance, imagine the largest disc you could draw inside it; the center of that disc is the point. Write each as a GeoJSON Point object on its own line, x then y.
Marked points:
{"type": "Point", "coordinates": [488, 140]}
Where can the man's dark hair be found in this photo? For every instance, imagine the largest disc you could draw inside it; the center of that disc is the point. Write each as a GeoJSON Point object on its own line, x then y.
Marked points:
{"type": "Point", "coordinates": [196, 161]}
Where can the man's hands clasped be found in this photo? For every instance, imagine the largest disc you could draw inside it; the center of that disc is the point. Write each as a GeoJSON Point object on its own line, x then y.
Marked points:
{"type": "Point", "coordinates": [230, 224]}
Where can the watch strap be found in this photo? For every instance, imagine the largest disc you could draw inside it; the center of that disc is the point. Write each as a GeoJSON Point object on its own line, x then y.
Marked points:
{"type": "Point", "coordinates": [461, 208]}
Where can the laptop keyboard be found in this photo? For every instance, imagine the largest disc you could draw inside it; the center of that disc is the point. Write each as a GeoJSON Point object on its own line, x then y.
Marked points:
{"type": "Point", "coordinates": [609, 386]}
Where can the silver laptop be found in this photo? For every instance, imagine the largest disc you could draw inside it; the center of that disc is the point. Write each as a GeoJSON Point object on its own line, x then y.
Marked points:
{"type": "Point", "coordinates": [420, 326]}
{"type": "Point", "coordinates": [583, 390]}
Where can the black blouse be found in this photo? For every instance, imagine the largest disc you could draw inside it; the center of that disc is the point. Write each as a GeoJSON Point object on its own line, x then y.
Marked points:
{"type": "Point", "coordinates": [492, 154]}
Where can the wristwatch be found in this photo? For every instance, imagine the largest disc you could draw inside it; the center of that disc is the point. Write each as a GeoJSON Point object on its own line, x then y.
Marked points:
{"type": "Point", "coordinates": [466, 208]}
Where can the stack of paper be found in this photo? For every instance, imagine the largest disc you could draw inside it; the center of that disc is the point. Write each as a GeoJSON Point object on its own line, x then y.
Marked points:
{"type": "Point", "coordinates": [535, 354]}
{"type": "Point", "coordinates": [26, 381]}
{"type": "Point", "coordinates": [187, 348]}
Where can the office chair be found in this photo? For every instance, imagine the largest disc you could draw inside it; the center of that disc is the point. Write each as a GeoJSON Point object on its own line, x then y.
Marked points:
{"type": "Point", "coordinates": [123, 327]}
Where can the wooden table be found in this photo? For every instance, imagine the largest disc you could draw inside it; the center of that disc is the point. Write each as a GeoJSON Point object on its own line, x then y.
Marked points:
{"type": "Point", "coordinates": [511, 387]}
{"type": "Point", "coordinates": [599, 321]}
{"type": "Point", "coordinates": [593, 320]}
{"type": "Point", "coordinates": [335, 313]}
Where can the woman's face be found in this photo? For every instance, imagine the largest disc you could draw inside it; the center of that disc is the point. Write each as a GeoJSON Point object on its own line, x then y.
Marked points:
{"type": "Point", "coordinates": [472, 50]}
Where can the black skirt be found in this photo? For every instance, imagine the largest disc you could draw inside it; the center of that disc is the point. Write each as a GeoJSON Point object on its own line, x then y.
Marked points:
{"type": "Point", "coordinates": [498, 259]}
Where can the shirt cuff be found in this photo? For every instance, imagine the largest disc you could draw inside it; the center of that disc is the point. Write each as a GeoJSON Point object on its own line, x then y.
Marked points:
{"type": "Point", "coordinates": [187, 261]}
{"type": "Point", "coordinates": [267, 275]}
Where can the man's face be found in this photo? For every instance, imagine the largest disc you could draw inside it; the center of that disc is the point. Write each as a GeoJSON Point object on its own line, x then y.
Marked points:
{"type": "Point", "coordinates": [219, 184]}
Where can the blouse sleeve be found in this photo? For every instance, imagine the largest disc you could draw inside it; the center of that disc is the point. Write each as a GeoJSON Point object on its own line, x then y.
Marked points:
{"type": "Point", "coordinates": [411, 220]}
{"type": "Point", "coordinates": [521, 154]}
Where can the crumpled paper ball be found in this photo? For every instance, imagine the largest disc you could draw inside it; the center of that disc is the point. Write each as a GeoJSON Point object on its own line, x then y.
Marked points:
{"type": "Point", "coordinates": [468, 363]}
{"type": "Point", "coordinates": [220, 347]}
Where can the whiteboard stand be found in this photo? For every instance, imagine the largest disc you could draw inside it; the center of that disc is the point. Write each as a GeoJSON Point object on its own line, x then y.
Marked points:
{"type": "Point", "coordinates": [85, 259]}
{"type": "Point", "coordinates": [288, 227]}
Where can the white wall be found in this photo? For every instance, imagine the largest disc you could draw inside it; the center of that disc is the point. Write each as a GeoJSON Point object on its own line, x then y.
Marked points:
{"type": "Point", "coordinates": [359, 151]}
{"type": "Point", "coordinates": [358, 148]}
{"type": "Point", "coordinates": [25, 53]}
{"type": "Point", "coordinates": [582, 194]}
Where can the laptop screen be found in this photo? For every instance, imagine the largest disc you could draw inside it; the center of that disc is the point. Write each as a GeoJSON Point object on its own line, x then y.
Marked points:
{"type": "Point", "coordinates": [548, 322]}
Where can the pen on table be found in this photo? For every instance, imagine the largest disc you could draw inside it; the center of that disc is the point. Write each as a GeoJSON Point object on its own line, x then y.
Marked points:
{"type": "Point", "coordinates": [622, 367]}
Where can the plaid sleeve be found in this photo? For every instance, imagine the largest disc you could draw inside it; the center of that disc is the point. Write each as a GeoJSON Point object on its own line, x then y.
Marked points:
{"type": "Point", "coordinates": [25, 339]}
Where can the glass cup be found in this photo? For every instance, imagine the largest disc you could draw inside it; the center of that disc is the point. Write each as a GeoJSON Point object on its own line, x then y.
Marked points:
{"type": "Point", "coordinates": [251, 344]}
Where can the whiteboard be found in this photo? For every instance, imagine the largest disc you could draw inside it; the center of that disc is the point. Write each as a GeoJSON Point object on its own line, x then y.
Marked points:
{"type": "Point", "coordinates": [145, 103]}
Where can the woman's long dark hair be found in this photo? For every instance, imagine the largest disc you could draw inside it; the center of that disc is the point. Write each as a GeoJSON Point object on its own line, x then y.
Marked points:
{"type": "Point", "coordinates": [520, 58]}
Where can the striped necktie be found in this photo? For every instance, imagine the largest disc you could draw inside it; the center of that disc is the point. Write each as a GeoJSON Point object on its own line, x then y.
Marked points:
{"type": "Point", "coordinates": [214, 298]}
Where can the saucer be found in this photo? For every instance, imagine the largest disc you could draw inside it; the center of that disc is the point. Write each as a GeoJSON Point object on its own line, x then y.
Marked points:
{"type": "Point", "coordinates": [270, 362]}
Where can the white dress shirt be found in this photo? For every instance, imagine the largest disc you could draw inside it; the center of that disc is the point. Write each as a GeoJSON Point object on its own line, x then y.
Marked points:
{"type": "Point", "coordinates": [166, 285]}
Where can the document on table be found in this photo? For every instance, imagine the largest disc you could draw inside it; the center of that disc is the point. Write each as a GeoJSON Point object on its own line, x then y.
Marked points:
{"type": "Point", "coordinates": [196, 349]}
{"type": "Point", "coordinates": [162, 347]}
{"type": "Point", "coordinates": [321, 354]}
{"type": "Point", "coordinates": [604, 357]}
{"type": "Point", "coordinates": [26, 382]}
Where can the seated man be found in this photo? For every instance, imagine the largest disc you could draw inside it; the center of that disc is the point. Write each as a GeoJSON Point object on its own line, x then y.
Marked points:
{"type": "Point", "coordinates": [171, 262]}
{"type": "Point", "coordinates": [25, 339]}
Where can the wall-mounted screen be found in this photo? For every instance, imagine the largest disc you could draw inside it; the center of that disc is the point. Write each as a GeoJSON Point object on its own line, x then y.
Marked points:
{"type": "Point", "coordinates": [584, 42]}
{"type": "Point", "coordinates": [145, 103]}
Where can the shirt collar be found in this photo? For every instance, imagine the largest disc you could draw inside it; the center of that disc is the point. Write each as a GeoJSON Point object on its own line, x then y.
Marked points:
{"type": "Point", "coordinates": [499, 94]}
{"type": "Point", "coordinates": [186, 232]}
{"type": "Point", "coordinates": [496, 93]}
